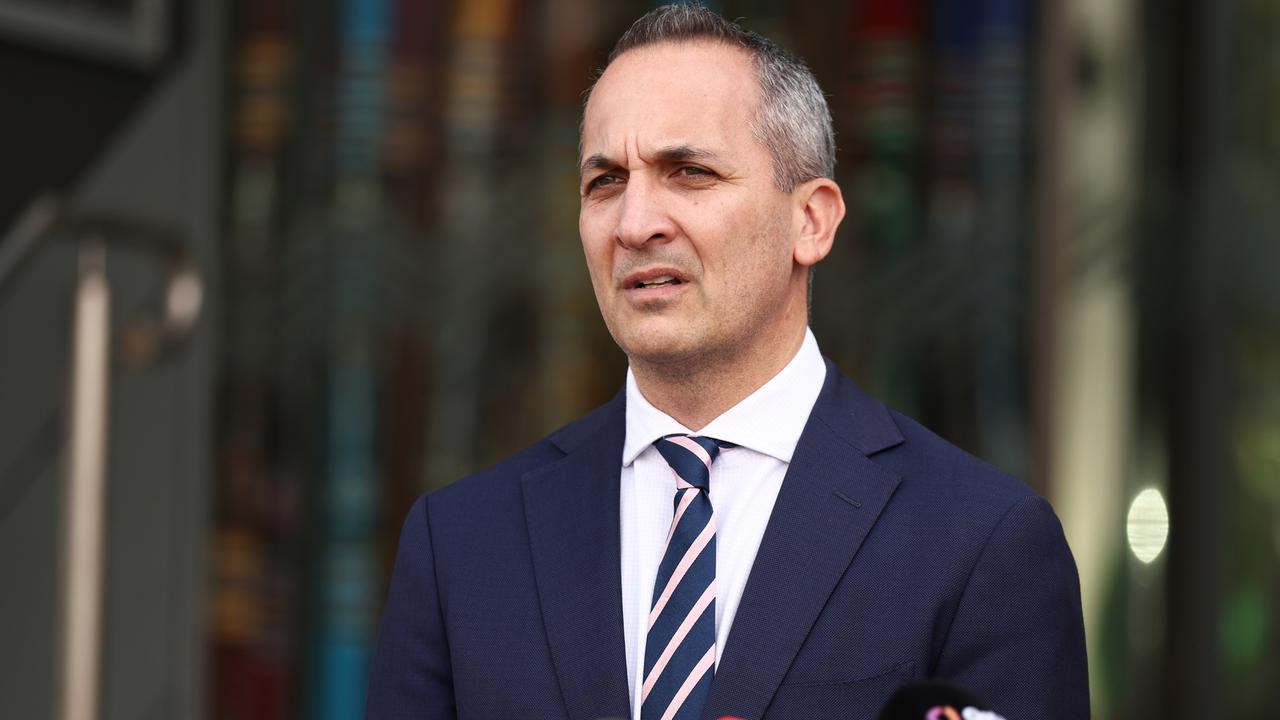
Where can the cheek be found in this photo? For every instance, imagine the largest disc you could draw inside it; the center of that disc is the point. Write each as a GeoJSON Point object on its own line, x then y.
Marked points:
{"type": "Point", "coordinates": [759, 244]}
{"type": "Point", "coordinates": [594, 246]}
{"type": "Point", "coordinates": [598, 269]}
{"type": "Point", "coordinates": [599, 257]}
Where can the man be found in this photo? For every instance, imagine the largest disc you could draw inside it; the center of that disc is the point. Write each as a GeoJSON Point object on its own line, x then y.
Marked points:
{"type": "Point", "coordinates": [741, 531]}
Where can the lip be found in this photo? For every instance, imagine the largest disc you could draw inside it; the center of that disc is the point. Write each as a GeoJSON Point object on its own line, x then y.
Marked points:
{"type": "Point", "coordinates": [652, 294]}
{"type": "Point", "coordinates": [630, 282]}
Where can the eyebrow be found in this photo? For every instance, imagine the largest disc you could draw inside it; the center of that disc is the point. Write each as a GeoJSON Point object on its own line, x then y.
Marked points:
{"type": "Point", "coordinates": [669, 154]}
{"type": "Point", "coordinates": [597, 162]}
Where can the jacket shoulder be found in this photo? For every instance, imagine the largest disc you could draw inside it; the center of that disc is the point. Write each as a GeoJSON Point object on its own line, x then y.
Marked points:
{"type": "Point", "coordinates": [925, 449]}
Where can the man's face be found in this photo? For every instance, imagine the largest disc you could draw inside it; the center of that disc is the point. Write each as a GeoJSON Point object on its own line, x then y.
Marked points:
{"type": "Point", "coordinates": [687, 239]}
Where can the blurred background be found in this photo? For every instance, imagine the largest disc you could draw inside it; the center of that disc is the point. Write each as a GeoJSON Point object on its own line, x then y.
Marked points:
{"type": "Point", "coordinates": [341, 246]}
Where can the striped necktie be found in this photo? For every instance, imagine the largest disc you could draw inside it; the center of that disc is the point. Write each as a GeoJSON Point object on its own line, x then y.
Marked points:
{"type": "Point", "coordinates": [680, 646]}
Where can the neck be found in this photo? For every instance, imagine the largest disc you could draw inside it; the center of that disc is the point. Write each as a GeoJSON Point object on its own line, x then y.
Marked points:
{"type": "Point", "coordinates": [697, 391]}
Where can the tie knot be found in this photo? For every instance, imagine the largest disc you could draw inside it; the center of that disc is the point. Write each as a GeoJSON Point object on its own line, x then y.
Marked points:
{"type": "Point", "coordinates": [690, 456]}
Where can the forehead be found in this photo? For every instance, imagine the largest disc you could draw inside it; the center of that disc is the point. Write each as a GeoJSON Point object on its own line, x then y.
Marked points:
{"type": "Point", "coordinates": [698, 93]}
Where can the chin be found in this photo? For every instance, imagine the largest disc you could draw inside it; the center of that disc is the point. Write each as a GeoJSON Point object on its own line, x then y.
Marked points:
{"type": "Point", "coordinates": [657, 346]}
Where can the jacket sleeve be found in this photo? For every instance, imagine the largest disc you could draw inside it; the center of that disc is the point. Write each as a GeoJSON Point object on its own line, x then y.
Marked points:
{"type": "Point", "coordinates": [411, 675]}
{"type": "Point", "coordinates": [1017, 636]}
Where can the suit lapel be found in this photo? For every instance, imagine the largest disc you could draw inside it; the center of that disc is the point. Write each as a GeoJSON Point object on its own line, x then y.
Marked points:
{"type": "Point", "coordinates": [571, 507]}
{"type": "Point", "coordinates": [830, 499]}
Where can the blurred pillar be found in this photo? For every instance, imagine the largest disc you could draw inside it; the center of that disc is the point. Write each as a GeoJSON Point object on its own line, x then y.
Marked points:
{"type": "Point", "coordinates": [84, 499]}
{"type": "Point", "coordinates": [1089, 114]}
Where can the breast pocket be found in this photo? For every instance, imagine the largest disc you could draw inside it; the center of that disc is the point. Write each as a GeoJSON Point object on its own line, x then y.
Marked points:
{"type": "Point", "coordinates": [839, 700]}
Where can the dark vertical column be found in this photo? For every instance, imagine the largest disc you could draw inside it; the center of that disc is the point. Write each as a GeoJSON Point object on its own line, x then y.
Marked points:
{"type": "Point", "coordinates": [1198, 384]}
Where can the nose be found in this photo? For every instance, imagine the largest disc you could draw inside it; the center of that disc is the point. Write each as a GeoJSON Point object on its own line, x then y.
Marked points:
{"type": "Point", "coordinates": [644, 218]}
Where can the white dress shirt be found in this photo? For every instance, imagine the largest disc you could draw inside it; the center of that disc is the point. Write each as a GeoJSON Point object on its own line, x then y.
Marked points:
{"type": "Point", "coordinates": [745, 481]}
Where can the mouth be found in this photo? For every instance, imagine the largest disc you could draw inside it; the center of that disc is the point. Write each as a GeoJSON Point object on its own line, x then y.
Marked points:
{"type": "Point", "coordinates": [661, 281]}
{"type": "Point", "coordinates": [653, 279]}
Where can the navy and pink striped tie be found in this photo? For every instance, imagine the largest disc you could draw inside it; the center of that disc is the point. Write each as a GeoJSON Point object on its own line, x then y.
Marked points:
{"type": "Point", "coordinates": [680, 646]}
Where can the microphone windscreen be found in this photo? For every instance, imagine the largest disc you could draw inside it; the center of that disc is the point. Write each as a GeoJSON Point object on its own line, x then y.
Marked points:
{"type": "Point", "coordinates": [933, 700]}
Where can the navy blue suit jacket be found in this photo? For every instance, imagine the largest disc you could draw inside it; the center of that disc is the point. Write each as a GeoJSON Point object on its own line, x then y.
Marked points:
{"type": "Point", "coordinates": [890, 555]}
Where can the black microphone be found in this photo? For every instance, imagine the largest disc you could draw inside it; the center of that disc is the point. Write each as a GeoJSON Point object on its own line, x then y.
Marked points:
{"type": "Point", "coordinates": [935, 700]}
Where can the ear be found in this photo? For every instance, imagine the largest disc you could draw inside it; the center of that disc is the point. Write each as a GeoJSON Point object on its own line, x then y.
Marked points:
{"type": "Point", "coordinates": [820, 205]}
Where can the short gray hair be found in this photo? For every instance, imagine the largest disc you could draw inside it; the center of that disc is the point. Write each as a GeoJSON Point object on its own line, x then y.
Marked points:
{"type": "Point", "coordinates": [792, 120]}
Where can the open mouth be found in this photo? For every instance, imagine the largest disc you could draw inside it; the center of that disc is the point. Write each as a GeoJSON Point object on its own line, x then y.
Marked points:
{"type": "Point", "coordinates": [657, 282]}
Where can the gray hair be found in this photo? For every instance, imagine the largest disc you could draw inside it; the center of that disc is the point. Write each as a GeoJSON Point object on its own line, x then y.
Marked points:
{"type": "Point", "coordinates": [792, 119]}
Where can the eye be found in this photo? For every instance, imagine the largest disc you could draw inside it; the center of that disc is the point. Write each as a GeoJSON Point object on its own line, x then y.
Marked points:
{"type": "Point", "coordinates": [694, 176]}
{"type": "Point", "coordinates": [602, 181]}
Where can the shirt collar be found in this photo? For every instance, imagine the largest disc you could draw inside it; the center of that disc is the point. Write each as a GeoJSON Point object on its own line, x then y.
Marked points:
{"type": "Point", "coordinates": [768, 420]}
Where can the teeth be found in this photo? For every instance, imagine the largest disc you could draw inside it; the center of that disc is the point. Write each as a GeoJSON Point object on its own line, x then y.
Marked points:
{"type": "Point", "coordinates": [663, 280]}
